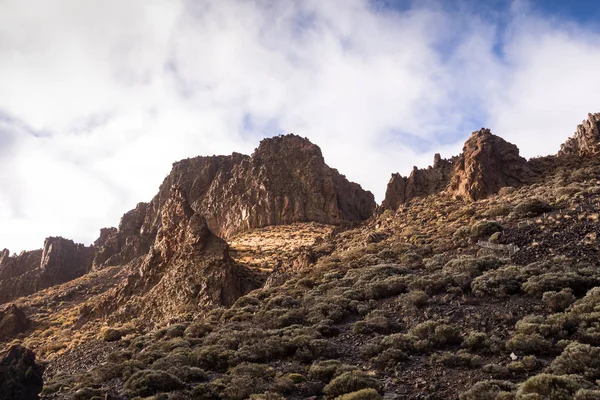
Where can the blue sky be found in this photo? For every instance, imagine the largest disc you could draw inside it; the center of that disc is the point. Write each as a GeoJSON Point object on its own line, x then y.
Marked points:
{"type": "Point", "coordinates": [99, 98]}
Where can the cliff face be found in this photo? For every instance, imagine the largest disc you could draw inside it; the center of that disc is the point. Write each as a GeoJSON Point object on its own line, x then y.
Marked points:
{"type": "Point", "coordinates": [586, 140]}
{"type": "Point", "coordinates": [420, 183]}
{"type": "Point", "coordinates": [61, 260]}
{"type": "Point", "coordinates": [187, 268]}
{"type": "Point", "coordinates": [488, 163]}
{"type": "Point", "coordinates": [119, 246]}
{"type": "Point", "coordinates": [284, 181]}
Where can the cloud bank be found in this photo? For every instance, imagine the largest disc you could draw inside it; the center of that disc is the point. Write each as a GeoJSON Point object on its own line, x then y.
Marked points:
{"type": "Point", "coordinates": [99, 98]}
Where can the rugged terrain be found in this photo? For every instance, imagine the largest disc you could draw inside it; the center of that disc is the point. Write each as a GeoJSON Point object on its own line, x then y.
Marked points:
{"type": "Point", "coordinates": [270, 276]}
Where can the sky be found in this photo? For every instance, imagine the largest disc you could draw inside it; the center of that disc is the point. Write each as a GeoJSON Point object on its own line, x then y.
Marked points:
{"type": "Point", "coordinates": [99, 98]}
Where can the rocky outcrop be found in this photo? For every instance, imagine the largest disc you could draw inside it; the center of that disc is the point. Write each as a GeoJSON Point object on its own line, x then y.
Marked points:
{"type": "Point", "coordinates": [13, 322]}
{"type": "Point", "coordinates": [284, 181]}
{"type": "Point", "coordinates": [188, 268]}
{"type": "Point", "coordinates": [119, 246]}
{"type": "Point", "coordinates": [420, 183]}
{"type": "Point", "coordinates": [61, 260]}
{"type": "Point", "coordinates": [20, 376]}
{"type": "Point", "coordinates": [487, 163]}
{"type": "Point", "coordinates": [586, 140]}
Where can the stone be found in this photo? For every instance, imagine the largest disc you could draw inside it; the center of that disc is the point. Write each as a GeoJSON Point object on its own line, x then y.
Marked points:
{"type": "Point", "coordinates": [13, 322]}
{"type": "Point", "coordinates": [586, 140]}
{"type": "Point", "coordinates": [20, 375]}
{"type": "Point", "coordinates": [187, 268]}
{"type": "Point", "coordinates": [420, 183]}
{"type": "Point", "coordinates": [487, 164]}
{"type": "Point", "coordinates": [61, 260]}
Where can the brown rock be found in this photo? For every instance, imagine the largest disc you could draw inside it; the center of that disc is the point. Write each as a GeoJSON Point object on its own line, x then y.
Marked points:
{"type": "Point", "coordinates": [187, 268]}
{"type": "Point", "coordinates": [20, 376]}
{"type": "Point", "coordinates": [420, 183]}
{"type": "Point", "coordinates": [586, 140]}
{"type": "Point", "coordinates": [119, 246]}
{"type": "Point", "coordinates": [487, 164]}
{"type": "Point", "coordinates": [285, 180]}
{"type": "Point", "coordinates": [61, 260]}
{"type": "Point", "coordinates": [13, 321]}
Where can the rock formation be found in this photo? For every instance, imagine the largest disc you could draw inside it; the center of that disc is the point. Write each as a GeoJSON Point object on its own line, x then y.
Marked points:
{"type": "Point", "coordinates": [586, 140]}
{"type": "Point", "coordinates": [487, 163]}
{"type": "Point", "coordinates": [61, 260]}
{"type": "Point", "coordinates": [188, 267]}
{"type": "Point", "coordinates": [420, 183]}
{"type": "Point", "coordinates": [119, 246]}
{"type": "Point", "coordinates": [285, 180]}
{"type": "Point", "coordinates": [13, 322]}
{"type": "Point", "coordinates": [20, 376]}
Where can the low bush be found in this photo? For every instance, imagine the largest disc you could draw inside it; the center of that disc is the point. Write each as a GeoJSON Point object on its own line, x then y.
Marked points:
{"type": "Point", "coordinates": [579, 359]}
{"type": "Point", "coordinates": [529, 344]}
{"type": "Point", "coordinates": [363, 394]}
{"type": "Point", "coordinates": [559, 301]}
{"type": "Point", "coordinates": [147, 383]}
{"type": "Point", "coordinates": [488, 390]}
{"type": "Point", "coordinates": [349, 382]}
{"type": "Point", "coordinates": [554, 387]}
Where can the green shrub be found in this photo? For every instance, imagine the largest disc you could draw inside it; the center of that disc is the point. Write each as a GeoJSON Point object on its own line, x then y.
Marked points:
{"type": "Point", "coordinates": [579, 359]}
{"type": "Point", "coordinates": [529, 344]}
{"type": "Point", "coordinates": [324, 370]}
{"type": "Point", "coordinates": [559, 301]}
{"type": "Point", "coordinates": [147, 383]}
{"type": "Point", "coordinates": [532, 208]}
{"type": "Point", "coordinates": [485, 229]}
{"type": "Point", "coordinates": [111, 334]}
{"type": "Point", "coordinates": [389, 358]}
{"type": "Point", "coordinates": [363, 394]}
{"type": "Point", "coordinates": [460, 359]}
{"type": "Point", "coordinates": [488, 390]}
{"type": "Point", "coordinates": [348, 382]}
{"type": "Point", "coordinates": [553, 387]}
{"type": "Point", "coordinates": [418, 298]}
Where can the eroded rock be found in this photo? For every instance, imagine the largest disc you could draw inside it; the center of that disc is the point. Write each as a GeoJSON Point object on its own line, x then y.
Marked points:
{"type": "Point", "coordinates": [586, 140]}
{"type": "Point", "coordinates": [20, 376]}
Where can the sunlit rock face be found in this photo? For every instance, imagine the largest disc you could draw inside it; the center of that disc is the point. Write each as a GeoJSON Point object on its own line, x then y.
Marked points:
{"type": "Point", "coordinates": [586, 140]}
{"type": "Point", "coordinates": [284, 181]}
{"type": "Point", "coordinates": [487, 164]}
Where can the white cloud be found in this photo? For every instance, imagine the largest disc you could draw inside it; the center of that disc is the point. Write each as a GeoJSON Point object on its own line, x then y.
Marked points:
{"type": "Point", "coordinates": [98, 99]}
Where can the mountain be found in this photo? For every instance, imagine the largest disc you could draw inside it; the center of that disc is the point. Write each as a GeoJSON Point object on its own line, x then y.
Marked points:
{"type": "Point", "coordinates": [269, 276]}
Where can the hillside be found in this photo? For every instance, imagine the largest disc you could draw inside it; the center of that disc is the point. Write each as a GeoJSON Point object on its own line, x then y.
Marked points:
{"type": "Point", "coordinates": [477, 278]}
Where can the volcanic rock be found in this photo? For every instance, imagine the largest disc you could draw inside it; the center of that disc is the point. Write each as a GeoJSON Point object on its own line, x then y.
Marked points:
{"type": "Point", "coordinates": [586, 140]}
{"type": "Point", "coordinates": [119, 246]}
{"type": "Point", "coordinates": [187, 268]}
{"type": "Point", "coordinates": [13, 321]}
{"type": "Point", "coordinates": [20, 376]}
{"type": "Point", "coordinates": [487, 164]}
{"type": "Point", "coordinates": [420, 183]}
{"type": "Point", "coordinates": [285, 180]}
{"type": "Point", "coordinates": [61, 260]}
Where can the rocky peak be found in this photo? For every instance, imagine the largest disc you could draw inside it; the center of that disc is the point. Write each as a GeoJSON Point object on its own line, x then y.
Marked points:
{"type": "Point", "coordinates": [61, 260]}
{"type": "Point", "coordinates": [64, 260]}
{"type": "Point", "coordinates": [420, 183]}
{"type": "Point", "coordinates": [586, 140]}
{"type": "Point", "coordinates": [119, 246]}
{"type": "Point", "coordinates": [187, 266]}
{"type": "Point", "coordinates": [284, 181]}
{"type": "Point", "coordinates": [487, 163]}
